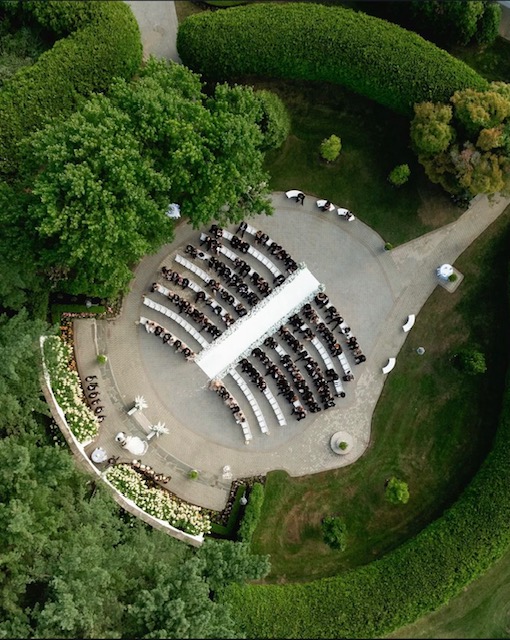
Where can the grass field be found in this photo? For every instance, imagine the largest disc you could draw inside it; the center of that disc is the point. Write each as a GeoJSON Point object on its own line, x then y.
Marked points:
{"type": "Point", "coordinates": [374, 140]}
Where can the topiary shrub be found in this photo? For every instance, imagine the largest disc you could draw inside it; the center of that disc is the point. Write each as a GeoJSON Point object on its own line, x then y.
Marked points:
{"type": "Point", "coordinates": [104, 43]}
{"type": "Point", "coordinates": [399, 175]}
{"type": "Point", "coordinates": [275, 120]}
{"type": "Point", "coordinates": [252, 513]}
{"type": "Point", "coordinates": [193, 474]}
{"type": "Point", "coordinates": [334, 533]}
{"type": "Point", "coordinates": [102, 358]}
{"type": "Point", "coordinates": [394, 67]}
{"type": "Point", "coordinates": [397, 491]}
{"type": "Point", "coordinates": [330, 148]}
{"type": "Point", "coordinates": [471, 361]}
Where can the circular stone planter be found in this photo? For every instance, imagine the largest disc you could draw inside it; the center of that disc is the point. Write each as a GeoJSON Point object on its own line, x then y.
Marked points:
{"type": "Point", "coordinates": [337, 438]}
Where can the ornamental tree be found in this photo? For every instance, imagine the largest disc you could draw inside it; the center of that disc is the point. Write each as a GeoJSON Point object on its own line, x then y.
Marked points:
{"type": "Point", "coordinates": [98, 183]}
{"type": "Point", "coordinates": [330, 148]}
{"type": "Point", "coordinates": [397, 491]}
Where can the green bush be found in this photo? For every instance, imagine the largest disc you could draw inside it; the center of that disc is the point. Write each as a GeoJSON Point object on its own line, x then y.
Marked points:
{"type": "Point", "coordinates": [106, 45]}
{"type": "Point", "coordinates": [394, 67]}
{"type": "Point", "coordinates": [252, 513]}
{"type": "Point", "coordinates": [397, 491]}
{"type": "Point", "coordinates": [334, 532]}
{"type": "Point", "coordinates": [193, 474]}
{"type": "Point", "coordinates": [275, 119]}
{"type": "Point", "coordinates": [330, 148]}
{"type": "Point", "coordinates": [471, 361]}
{"type": "Point", "coordinates": [399, 175]}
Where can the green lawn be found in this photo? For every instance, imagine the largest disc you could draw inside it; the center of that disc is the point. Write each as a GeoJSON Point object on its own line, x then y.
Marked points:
{"type": "Point", "coordinates": [374, 140]}
{"type": "Point", "coordinates": [432, 427]}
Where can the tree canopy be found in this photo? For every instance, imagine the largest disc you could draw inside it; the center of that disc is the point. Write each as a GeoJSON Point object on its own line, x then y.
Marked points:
{"type": "Point", "coordinates": [96, 185]}
{"type": "Point", "coordinates": [465, 146]}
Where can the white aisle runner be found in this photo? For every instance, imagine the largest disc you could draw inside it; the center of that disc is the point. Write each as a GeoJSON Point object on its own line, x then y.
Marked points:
{"type": "Point", "coordinates": [217, 357]}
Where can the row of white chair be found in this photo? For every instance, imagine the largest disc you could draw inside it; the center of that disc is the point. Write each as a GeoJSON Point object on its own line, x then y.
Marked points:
{"type": "Point", "coordinates": [327, 362]}
{"type": "Point", "coordinates": [258, 256]}
{"type": "Point", "coordinates": [176, 318]}
{"type": "Point", "coordinates": [251, 399]}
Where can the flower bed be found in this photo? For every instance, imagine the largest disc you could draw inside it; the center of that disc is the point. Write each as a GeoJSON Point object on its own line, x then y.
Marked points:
{"type": "Point", "coordinates": [158, 502]}
{"type": "Point", "coordinates": [67, 389]}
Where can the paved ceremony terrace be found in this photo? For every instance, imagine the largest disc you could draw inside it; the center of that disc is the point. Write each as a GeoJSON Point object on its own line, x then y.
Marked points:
{"type": "Point", "coordinates": [374, 290]}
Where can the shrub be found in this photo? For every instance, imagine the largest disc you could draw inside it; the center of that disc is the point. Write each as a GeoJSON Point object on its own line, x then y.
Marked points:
{"type": "Point", "coordinates": [399, 175]}
{"type": "Point", "coordinates": [397, 491]}
{"type": "Point", "coordinates": [471, 361]}
{"type": "Point", "coordinates": [394, 67]}
{"type": "Point", "coordinates": [252, 513]}
{"type": "Point", "coordinates": [388, 246]}
{"type": "Point", "coordinates": [106, 45]}
{"type": "Point", "coordinates": [334, 532]}
{"type": "Point", "coordinates": [193, 474]}
{"type": "Point", "coordinates": [330, 148]}
{"type": "Point", "coordinates": [102, 358]}
{"type": "Point", "coordinates": [452, 277]}
{"type": "Point", "coordinates": [343, 445]}
{"type": "Point", "coordinates": [275, 119]}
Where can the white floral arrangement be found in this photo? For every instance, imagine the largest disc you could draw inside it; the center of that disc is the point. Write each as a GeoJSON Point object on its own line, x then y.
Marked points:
{"type": "Point", "coordinates": [158, 502]}
{"type": "Point", "coordinates": [68, 391]}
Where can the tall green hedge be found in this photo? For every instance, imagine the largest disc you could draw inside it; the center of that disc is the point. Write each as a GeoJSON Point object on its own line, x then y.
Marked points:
{"type": "Point", "coordinates": [105, 44]}
{"type": "Point", "coordinates": [404, 585]}
{"type": "Point", "coordinates": [252, 513]}
{"type": "Point", "coordinates": [375, 58]}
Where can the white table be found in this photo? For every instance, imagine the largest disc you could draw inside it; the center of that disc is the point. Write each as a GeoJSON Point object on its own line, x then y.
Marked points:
{"type": "Point", "coordinates": [445, 271]}
{"type": "Point", "coordinates": [99, 455]}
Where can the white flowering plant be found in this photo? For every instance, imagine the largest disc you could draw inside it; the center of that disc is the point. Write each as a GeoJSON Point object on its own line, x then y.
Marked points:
{"type": "Point", "coordinates": [158, 502]}
{"type": "Point", "coordinates": [68, 391]}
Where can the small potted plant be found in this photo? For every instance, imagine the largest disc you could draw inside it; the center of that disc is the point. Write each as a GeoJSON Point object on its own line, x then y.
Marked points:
{"type": "Point", "coordinates": [388, 246]}
{"type": "Point", "coordinates": [452, 277]}
{"type": "Point", "coordinates": [193, 474]}
{"type": "Point", "coordinates": [102, 358]}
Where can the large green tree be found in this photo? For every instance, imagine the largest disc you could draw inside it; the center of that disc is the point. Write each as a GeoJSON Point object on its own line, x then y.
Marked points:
{"type": "Point", "coordinates": [466, 147]}
{"type": "Point", "coordinates": [209, 147]}
{"type": "Point", "coordinates": [96, 186]}
{"type": "Point", "coordinates": [97, 204]}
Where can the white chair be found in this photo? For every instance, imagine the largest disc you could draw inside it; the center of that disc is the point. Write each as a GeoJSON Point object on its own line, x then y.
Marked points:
{"type": "Point", "coordinates": [321, 203]}
{"type": "Point", "coordinates": [388, 367]}
{"type": "Point", "coordinates": [345, 213]}
{"type": "Point", "coordinates": [409, 323]}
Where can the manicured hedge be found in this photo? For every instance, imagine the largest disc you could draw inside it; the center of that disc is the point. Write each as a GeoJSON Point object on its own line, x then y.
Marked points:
{"type": "Point", "coordinates": [106, 44]}
{"type": "Point", "coordinates": [416, 578]}
{"type": "Point", "coordinates": [375, 58]}
{"type": "Point", "coordinates": [252, 513]}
